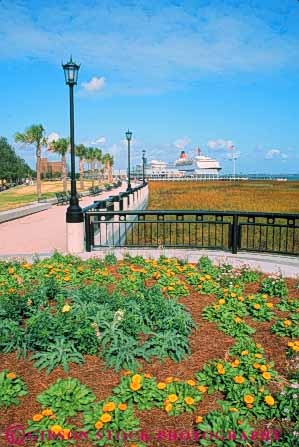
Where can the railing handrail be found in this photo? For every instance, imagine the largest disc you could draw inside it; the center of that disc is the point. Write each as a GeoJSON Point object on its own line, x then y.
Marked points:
{"type": "Point", "coordinates": [192, 212]}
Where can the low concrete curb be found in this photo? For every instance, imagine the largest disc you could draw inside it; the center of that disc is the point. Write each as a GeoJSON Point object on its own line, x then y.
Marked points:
{"type": "Point", "coordinates": [23, 211]}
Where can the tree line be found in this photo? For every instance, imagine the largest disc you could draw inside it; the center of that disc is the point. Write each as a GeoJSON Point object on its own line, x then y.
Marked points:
{"type": "Point", "coordinates": [35, 135]}
{"type": "Point", "coordinates": [12, 167]}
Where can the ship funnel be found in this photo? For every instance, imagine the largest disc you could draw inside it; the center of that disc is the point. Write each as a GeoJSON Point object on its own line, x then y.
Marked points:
{"type": "Point", "coordinates": [183, 155]}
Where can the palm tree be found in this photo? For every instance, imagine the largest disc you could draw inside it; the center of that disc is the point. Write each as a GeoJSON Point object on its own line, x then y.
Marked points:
{"type": "Point", "coordinates": [81, 152]}
{"type": "Point", "coordinates": [108, 163]}
{"type": "Point", "coordinates": [61, 146]}
{"type": "Point", "coordinates": [98, 158]}
{"type": "Point", "coordinates": [34, 135]}
{"type": "Point", "coordinates": [90, 157]}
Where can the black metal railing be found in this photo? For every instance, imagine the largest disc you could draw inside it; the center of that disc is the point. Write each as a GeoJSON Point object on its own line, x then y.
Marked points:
{"type": "Point", "coordinates": [233, 230]}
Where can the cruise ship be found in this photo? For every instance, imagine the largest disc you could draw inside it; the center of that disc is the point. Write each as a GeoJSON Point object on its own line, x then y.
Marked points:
{"type": "Point", "coordinates": [184, 166]}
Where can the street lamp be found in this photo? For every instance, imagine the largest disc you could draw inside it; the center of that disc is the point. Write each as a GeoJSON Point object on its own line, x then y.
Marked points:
{"type": "Point", "coordinates": [74, 212]}
{"type": "Point", "coordinates": [143, 166]}
{"type": "Point", "coordinates": [129, 137]}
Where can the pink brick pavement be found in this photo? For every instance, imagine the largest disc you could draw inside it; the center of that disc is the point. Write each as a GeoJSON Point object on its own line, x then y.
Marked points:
{"type": "Point", "coordinates": [42, 232]}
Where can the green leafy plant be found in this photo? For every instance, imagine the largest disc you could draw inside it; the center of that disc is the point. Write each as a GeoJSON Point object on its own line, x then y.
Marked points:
{"type": "Point", "coordinates": [66, 397]}
{"type": "Point", "coordinates": [11, 388]}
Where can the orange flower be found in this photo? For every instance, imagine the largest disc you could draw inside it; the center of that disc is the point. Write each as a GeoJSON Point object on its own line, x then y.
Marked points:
{"type": "Point", "coordinates": [202, 389]}
{"type": "Point", "coordinates": [287, 323]}
{"type": "Point", "coordinates": [266, 375]}
{"type": "Point", "coordinates": [122, 407]}
{"type": "Point", "coordinates": [11, 376]}
{"type": "Point", "coordinates": [235, 363]}
{"type": "Point", "coordinates": [148, 376]}
{"type": "Point", "coordinates": [172, 398]}
{"type": "Point", "coordinates": [199, 419]}
{"type": "Point", "coordinates": [106, 417]}
{"type": "Point", "coordinates": [191, 382]}
{"type": "Point", "coordinates": [47, 412]}
{"type": "Point", "coordinates": [249, 405]}
{"type": "Point", "coordinates": [257, 306]}
{"type": "Point", "coordinates": [135, 386]}
{"type": "Point", "coordinates": [37, 417]}
{"type": "Point", "coordinates": [109, 406]}
{"type": "Point", "coordinates": [189, 400]}
{"type": "Point", "coordinates": [127, 373]}
{"type": "Point", "coordinates": [239, 379]}
{"type": "Point", "coordinates": [269, 400]}
{"type": "Point", "coordinates": [258, 345]}
{"type": "Point", "coordinates": [238, 320]}
{"type": "Point", "coordinates": [161, 386]}
{"type": "Point", "coordinates": [244, 353]}
{"type": "Point", "coordinates": [248, 399]}
{"type": "Point", "coordinates": [169, 379]}
{"type": "Point", "coordinates": [233, 294]}
{"type": "Point", "coordinates": [256, 365]}
{"type": "Point", "coordinates": [136, 378]}
{"type": "Point", "coordinates": [168, 408]}
{"type": "Point", "coordinates": [233, 409]}
{"type": "Point", "coordinates": [98, 425]}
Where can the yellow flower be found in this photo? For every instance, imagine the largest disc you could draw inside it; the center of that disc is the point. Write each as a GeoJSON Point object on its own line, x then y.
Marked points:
{"type": "Point", "coordinates": [233, 294]}
{"type": "Point", "coordinates": [233, 409]}
{"type": "Point", "coordinates": [238, 320]}
{"type": "Point", "coordinates": [263, 368]}
{"type": "Point", "coordinates": [244, 353]}
{"type": "Point", "coordinates": [202, 279]}
{"type": "Point", "coordinates": [240, 298]}
{"type": "Point", "coordinates": [269, 400]}
{"type": "Point", "coordinates": [222, 301]}
{"type": "Point", "coordinates": [66, 308]}
{"type": "Point", "coordinates": [269, 305]}
{"type": "Point", "coordinates": [248, 399]}
{"type": "Point", "coordinates": [66, 278]}
{"type": "Point", "coordinates": [265, 296]}
{"type": "Point", "coordinates": [98, 425]}
{"type": "Point", "coordinates": [199, 419]}
{"type": "Point", "coordinates": [122, 407]}
{"type": "Point", "coordinates": [208, 276]}
{"type": "Point", "coordinates": [161, 386]}
{"type": "Point", "coordinates": [37, 417]}
{"type": "Point", "coordinates": [257, 306]}
{"type": "Point", "coordinates": [11, 270]}
{"type": "Point", "coordinates": [168, 408]}
{"type": "Point", "coordinates": [221, 371]}
{"type": "Point", "coordinates": [258, 356]}
{"type": "Point", "coordinates": [56, 429]}
{"type": "Point", "coordinates": [202, 389]}
{"type": "Point", "coordinates": [109, 406]}
{"type": "Point", "coordinates": [291, 344]}
{"type": "Point", "coordinates": [189, 400]}
{"type": "Point", "coordinates": [287, 323]}
{"type": "Point", "coordinates": [266, 375]}
{"type": "Point", "coordinates": [136, 378]}
{"type": "Point", "coordinates": [191, 382]}
{"type": "Point", "coordinates": [106, 417]}
{"type": "Point", "coordinates": [172, 398]}
{"type": "Point", "coordinates": [258, 345]}
{"type": "Point", "coordinates": [239, 379]}
{"type": "Point", "coordinates": [66, 432]}
{"type": "Point", "coordinates": [11, 375]}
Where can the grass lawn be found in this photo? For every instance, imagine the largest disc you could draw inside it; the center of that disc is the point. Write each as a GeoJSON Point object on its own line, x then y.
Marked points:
{"type": "Point", "coordinates": [23, 195]}
{"type": "Point", "coordinates": [166, 347]}
{"type": "Point", "coordinates": [260, 196]}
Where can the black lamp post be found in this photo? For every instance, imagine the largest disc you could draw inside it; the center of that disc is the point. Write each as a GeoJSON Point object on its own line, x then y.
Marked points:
{"type": "Point", "coordinates": [74, 212]}
{"type": "Point", "coordinates": [129, 137]}
{"type": "Point", "coordinates": [143, 166]}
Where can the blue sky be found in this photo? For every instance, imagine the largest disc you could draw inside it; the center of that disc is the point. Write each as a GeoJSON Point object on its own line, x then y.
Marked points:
{"type": "Point", "coordinates": [178, 73]}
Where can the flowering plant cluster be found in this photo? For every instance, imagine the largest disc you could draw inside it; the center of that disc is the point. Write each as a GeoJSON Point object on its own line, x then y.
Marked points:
{"type": "Point", "coordinates": [274, 285]}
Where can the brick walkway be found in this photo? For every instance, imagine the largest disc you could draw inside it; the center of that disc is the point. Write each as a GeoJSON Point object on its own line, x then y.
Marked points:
{"type": "Point", "coordinates": [43, 232]}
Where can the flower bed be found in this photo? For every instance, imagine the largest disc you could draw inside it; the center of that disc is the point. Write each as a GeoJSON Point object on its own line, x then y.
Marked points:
{"type": "Point", "coordinates": [154, 347]}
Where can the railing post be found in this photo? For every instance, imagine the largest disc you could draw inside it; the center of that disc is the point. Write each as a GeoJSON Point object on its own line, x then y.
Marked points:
{"type": "Point", "coordinates": [87, 232]}
{"type": "Point", "coordinates": [235, 234]}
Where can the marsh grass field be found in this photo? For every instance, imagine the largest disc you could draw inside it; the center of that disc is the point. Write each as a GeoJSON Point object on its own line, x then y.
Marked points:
{"type": "Point", "coordinates": [259, 196]}
{"type": "Point", "coordinates": [201, 230]}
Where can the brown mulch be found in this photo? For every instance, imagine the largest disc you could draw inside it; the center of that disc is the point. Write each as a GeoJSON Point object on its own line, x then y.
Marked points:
{"type": "Point", "coordinates": [206, 342]}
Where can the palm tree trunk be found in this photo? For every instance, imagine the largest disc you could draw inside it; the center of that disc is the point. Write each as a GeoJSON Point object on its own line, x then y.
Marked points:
{"type": "Point", "coordinates": [64, 180]}
{"type": "Point", "coordinates": [81, 173]}
{"type": "Point", "coordinates": [92, 173]}
{"type": "Point", "coordinates": [38, 179]}
{"type": "Point", "coordinates": [99, 173]}
{"type": "Point", "coordinates": [109, 172]}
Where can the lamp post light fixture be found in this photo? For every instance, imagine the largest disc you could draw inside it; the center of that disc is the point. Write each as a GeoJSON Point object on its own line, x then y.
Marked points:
{"type": "Point", "coordinates": [129, 137]}
{"type": "Point", "coordinates": [74, 212]}
{"type": "Point", "coordinates": [143, 166]}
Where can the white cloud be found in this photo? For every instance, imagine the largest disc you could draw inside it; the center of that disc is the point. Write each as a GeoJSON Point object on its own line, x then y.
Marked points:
{"type": "Point", "coordinates": [181, 143]}
{"type": "Point", "coordinates": [275, 153]}
{"type": "Point", "coordinates": [101, 141]}
{"type": "Point", "coordinates": [94, 84]}
{"type": "Point", "coordinates": [53, 136]}
{"type": "Point", "coordinates": [220, 144]}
